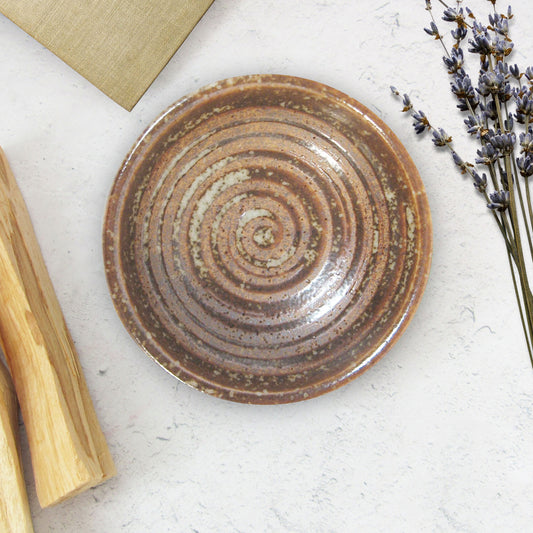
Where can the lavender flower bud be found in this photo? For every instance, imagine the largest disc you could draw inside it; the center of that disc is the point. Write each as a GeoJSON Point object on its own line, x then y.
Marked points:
{"type": "Point", "coordinates": [433, 30]}
{"type": "Point", "coordinates": [524, 107]}
{"type": "Point", "coordinates": [481, 42]}
{"type": "Point", "coordinates": [455, 61]}
{"type": "Point", "coordinates": [463, 165]}
{"type": "Point", "coordinates": [525, 165]}
{"type": "Point", "coordinates": [458, 161]}
{"type": "Point", "coordinates": [499, 201]}
{"type": "Point", "coordinates": [420, 122]}
{"type": "Point", "coordinates": [407, 105]}
{"type": "Point", "coordinates": [462, 88]}
{"type": "Point", "coordinates": [503, 142]}
{"type": "Point", "coordinates": [503, 47]}
{"type": "Point", "coordinates": [526, 142]}
{"type": "Point", "coordinates": [499, 24]}
{"type": "Point", "coordinates": [515, 71]}
{"type": "Point", "coordinates": [453, 15]}
{"type": "Point", "coordinates": [480, 182]}
{"type": "Point", "coordinates": [474, 125]}
{"type": "Point", "coordinates": [489, 111]}
{"type": "Point", "coordinates": [487, 155]}
{"type": "Point", "coordinates": [491, 83]}
{"type": "Point", "coordinates": [441, 138]}
{"type": "Point", "coordinates": [459, 34]}
{"type": "Point", "coordinates": [502, 68]}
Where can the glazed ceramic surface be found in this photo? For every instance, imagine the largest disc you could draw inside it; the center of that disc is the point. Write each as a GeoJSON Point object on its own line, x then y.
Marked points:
{"type": "Point", "coordinates": [267, 239]}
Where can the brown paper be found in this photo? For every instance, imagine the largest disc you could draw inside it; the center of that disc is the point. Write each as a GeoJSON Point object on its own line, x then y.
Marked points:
{"type": "Point", "coordinates": [118, 45]}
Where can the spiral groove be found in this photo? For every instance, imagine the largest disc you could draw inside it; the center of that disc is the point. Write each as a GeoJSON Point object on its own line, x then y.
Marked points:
{"type": "Point", "coordinates": [255, 234]}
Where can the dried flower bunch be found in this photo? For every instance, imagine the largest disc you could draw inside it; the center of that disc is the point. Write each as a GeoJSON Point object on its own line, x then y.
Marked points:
{"type": "Point", "coordinates": [499, 113]}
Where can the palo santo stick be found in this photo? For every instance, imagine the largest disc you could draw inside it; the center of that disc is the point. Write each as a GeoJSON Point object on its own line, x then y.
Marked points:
{"type": "Point", "coordinates": [15, 514]}
{"type": "Point", "coordinates": [68, 450]}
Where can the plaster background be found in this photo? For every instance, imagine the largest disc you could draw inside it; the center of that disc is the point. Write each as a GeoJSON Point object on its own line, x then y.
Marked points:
{"type": "Point", "coordinates": [436, 437]}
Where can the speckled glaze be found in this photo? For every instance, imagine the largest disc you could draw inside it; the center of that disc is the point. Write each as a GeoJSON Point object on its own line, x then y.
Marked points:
{"type": "Point", "coordinates": [267, 239]}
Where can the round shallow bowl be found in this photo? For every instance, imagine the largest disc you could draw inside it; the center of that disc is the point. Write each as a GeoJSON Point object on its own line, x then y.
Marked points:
{"type": "Point", "coordinates": [267, 239]}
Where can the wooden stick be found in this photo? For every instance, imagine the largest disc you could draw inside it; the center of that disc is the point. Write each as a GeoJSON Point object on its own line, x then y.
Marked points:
{"type": "Point", "coordinates": [68, 450]}
{"type": "Point", "coordinates": [15, 514]}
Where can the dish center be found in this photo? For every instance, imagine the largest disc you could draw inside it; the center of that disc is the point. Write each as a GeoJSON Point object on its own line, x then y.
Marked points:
{"type": "Point", "coordinates": [264, 237]}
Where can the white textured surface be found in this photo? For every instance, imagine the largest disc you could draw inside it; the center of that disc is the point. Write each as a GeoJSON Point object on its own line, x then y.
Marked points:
{"type": "Point", "coordinates": [437, 437]}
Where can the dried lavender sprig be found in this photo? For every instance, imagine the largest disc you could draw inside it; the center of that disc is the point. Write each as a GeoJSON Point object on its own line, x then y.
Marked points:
{"type": "Point", "coordinates": [493, 83]}
{"type": "Point", "coordinates": [493, 125]}
{"type": "Point", "coordinates": [434, 31]}
{"type": "Point", "coordinates": [492, 80]}
{"type": "Point", "coordinates": [527, 321]}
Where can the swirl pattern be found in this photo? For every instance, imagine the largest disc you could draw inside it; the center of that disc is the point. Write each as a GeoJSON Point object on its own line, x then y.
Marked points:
{"type": "Point", "coordinates": [267, 239]}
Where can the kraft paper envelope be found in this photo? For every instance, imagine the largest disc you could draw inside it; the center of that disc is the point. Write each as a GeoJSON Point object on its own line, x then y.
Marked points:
{"type": "Point", "coordinates": [118, 45]}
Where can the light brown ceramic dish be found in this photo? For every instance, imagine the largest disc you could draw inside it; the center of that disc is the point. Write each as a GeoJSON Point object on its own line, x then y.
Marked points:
{"type": "Point", "coordinates": [267, 239]}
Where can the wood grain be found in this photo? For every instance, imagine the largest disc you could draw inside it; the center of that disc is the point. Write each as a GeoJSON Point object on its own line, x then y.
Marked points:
{"type": "Point", "coordinates": [68, 450]}
{"type": "Point", "coordinates": [15, 514]}
{"type": "Point", "coordinates": [118, 45]}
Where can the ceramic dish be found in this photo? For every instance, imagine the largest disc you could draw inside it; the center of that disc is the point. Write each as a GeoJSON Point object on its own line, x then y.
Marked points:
{"type": "Point", "coordinates": [267, 239]}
